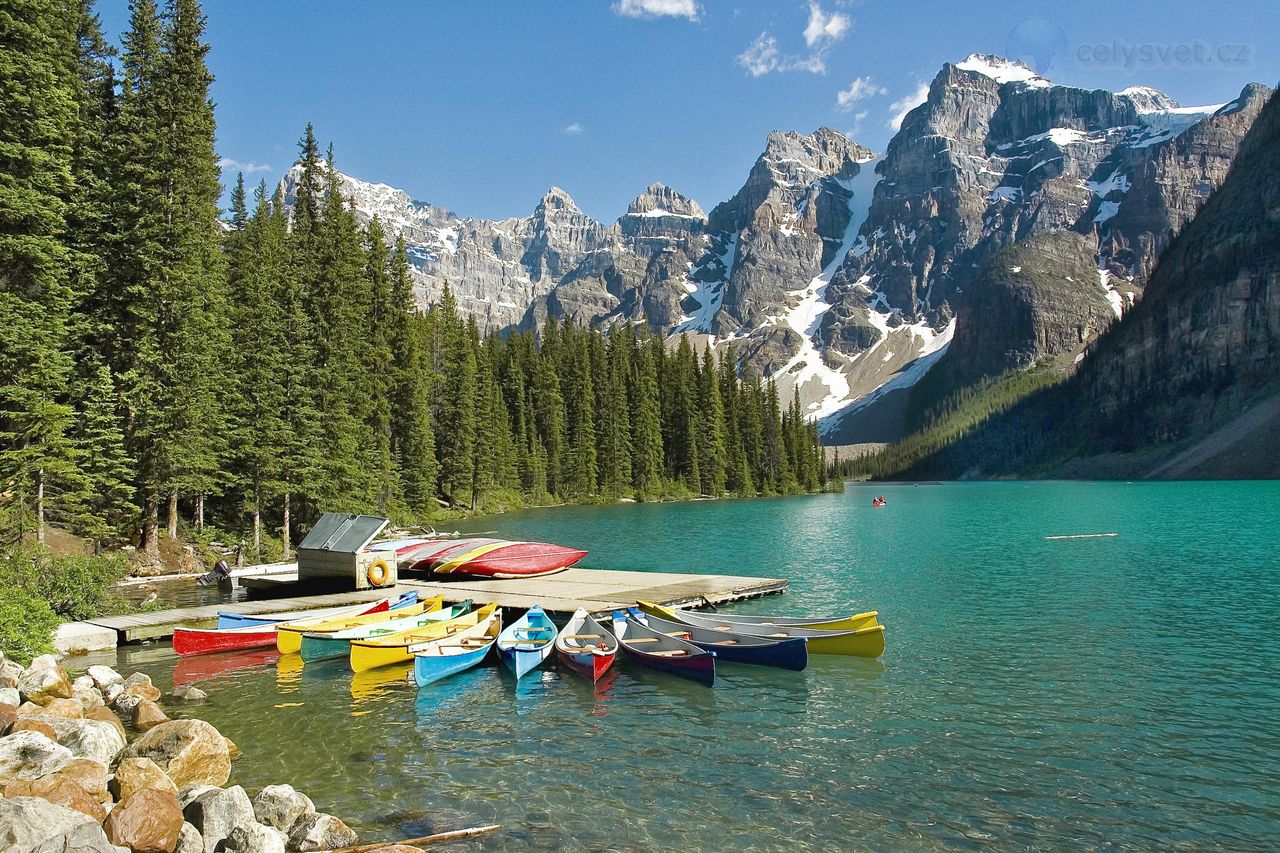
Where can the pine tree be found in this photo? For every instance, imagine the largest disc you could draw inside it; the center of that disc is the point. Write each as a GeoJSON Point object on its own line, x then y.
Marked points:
{"type": "Point", "coordinates": [106, 505]}
{"type": "Point", "coordinates": [379, 378]}
{"type": "Point", "coordinates": [713, 459]}
{"type": "Point", "coordinates": [37, 120]}
{"type": "Point", "coordinates": [338, 297]}
{"type": "Point", "coordinates": [646, 424]}
{"type": "Point", "coordinates": [412, 433]}
{"type": "Point", "coordinates": [615, 421]}
{"type": "Point", "coordinates": [583, 435]}
{"type": "Point", "coordinates": [456, 400]}
{"type": "Point", "coordinates": [257, 263]}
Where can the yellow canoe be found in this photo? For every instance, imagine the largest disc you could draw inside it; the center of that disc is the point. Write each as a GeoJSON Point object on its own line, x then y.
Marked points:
{"type": "Point", "coordinates": [289, 634]}
{"type": "Point", "coordinates": [855, 622]}
{"type": "Point", "coordinates": [866, 641]}
{"type": "Point", "coordinates": [373, 652]}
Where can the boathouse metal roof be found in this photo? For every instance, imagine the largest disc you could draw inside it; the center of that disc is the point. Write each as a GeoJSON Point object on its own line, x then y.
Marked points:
{"type": "Point", "coordinates": [342, 533]}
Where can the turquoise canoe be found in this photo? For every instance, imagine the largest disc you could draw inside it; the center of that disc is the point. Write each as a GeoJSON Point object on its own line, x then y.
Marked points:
{"type": "Point", "coordinates": [528, 641]}
{"type": "Point", "coordinates": [324, 646]}
{"type": "Point", "coordinates": [446, 656]}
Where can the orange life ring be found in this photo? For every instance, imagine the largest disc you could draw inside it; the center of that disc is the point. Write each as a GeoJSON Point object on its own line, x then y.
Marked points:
{"type": "Point", "coordinates": [378, 572]}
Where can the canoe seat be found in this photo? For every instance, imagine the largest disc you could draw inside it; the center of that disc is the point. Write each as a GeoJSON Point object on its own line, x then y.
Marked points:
{"type": "Point", "coordinates": [724, 628]}
{"type": "Point", "coordinates": [579, 636]}
{"type": "Point", "coordinates": [676, 633]}
{"type": "Point", "coordinates": [641, 640]}
{"type": "Point", "coordinates": [673, 653]}
{"type": "Point", "coordinates": [725, 643]}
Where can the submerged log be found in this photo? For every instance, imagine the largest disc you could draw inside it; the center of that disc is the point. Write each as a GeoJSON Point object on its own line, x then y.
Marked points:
{"type": "Point", "coordinates": [426, 839]}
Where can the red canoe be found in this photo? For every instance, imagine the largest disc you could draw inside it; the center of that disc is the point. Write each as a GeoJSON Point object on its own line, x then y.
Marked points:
{"type": "Point", "coordinates": [203, 641]}
{"type": "Point", "coordinates": [491, 558]}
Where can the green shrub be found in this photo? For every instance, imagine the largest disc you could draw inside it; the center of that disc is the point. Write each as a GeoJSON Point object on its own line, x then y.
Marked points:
{"type": "Point", "coordinates": [71, 587]}
{"type": "Point", "coordinates": [26, 624]}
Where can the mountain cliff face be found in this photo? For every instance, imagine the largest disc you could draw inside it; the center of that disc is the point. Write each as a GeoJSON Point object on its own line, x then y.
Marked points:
{"type": "Point", "coordinates": [1188, 383]}
{"type": "Point", "coordinates": [845, 276]}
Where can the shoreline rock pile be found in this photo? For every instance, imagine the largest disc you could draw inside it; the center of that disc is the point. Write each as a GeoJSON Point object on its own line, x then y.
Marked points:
{"type": "Point", "coordinates": [93, 764]}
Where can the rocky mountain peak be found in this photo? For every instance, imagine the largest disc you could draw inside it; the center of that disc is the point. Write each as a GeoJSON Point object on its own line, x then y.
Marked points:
{"type": "Point", "coordinates": [658, 199]}
{"type": "Point", "coordinates": [1148, 100]}
{"type": "Point", "coordinates": [556, 199]}
{"type": "Point", "coordinates": [1002, 70]}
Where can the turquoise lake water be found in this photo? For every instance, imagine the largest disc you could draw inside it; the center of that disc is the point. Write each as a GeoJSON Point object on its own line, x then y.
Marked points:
{"type": "Point", "coordinates": [1051, 694]}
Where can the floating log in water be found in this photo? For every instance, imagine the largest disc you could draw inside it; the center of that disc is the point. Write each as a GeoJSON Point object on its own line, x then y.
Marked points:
{"type": "Point", "coordinates": [1083, 536]}
{"type": "Point", "coordinates": [426, 839]}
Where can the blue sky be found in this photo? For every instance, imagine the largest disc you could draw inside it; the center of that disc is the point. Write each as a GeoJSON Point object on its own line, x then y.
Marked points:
{"type": "Point", "coordinates": [481, 106]}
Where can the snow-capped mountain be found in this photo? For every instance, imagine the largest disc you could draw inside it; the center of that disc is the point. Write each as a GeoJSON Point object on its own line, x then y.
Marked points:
{"type": "Point", "coordinates": [839, 273]}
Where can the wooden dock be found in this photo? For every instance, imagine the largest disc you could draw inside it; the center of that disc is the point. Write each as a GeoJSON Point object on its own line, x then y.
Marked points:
{"type": "Point", "coordinates": [598, 591]}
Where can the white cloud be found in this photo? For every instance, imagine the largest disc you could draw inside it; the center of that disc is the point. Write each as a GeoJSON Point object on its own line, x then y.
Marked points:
{"type": "Point", "coordinates": [657, 9]}
{"type": "Point", "coordinates": [574, 129]}
{"type": "Point", "coordinates": [820, 34]}
{"type": "Point", "coordinates": [859, 90]}
{"type": "Point", "coordinates": [825, 29]}
{"type": "Point", "coordinates": [226, 164]}
{"type": "Point", "coordinates": [858, 119]}
{"type": "Point", "coordinates": [907, 104]}
{"type": "Point", "coordinates": [761, 56]}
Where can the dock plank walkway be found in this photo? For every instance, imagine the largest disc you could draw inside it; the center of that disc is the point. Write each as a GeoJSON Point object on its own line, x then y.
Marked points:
{"type": "Point", "coordinates": [597, 591]}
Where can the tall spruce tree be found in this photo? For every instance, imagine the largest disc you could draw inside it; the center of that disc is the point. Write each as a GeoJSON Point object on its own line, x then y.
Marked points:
{"type": "Point", "coordinates": [38, 113]}
{"type": "Point", "coordinates": [413, 443]}
{"type": "Point", "coordinates": [713, 458]}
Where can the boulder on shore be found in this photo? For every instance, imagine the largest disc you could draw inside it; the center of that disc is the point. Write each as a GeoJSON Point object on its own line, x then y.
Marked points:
{"type": "Point", "coordinates": [148, 821]}
{"type": "Point", "coordinates": [30, 755]}
{"type": "Point", "coordinates": [39, 684]}
{"type": "Point", "coordinates": [103, 676]}
{"type": "Point", "coordinates": [90, 775]}
{"type": "Point", "coordinates": [147, 715]}
{"type": "Point", "coordinates": [61, 789]}
{"type": "Point", "coordinates": [139, 774]}
{"type": "Point", "coordinates": [10, 696]}
{"type": "Point", "coordinates": [106, 715]}
{"type": "Point", "coordinates": [216, 812]}
{"type": "Point", "coordinates": [280, 806]}
{"type": "Point", "coordinates": [254, 838]}
{"type": "Point", "coordinates": [10, 673]}
{"type": "Point", "coordinates": [320, 831]}
{"type": "Point", "coordinates": [191, 752]}
{"type": "Point", "coordinates": [189, 840]}
{"type": "Point", "coordinates": [94, 739]}
{"type": "Point", "coordinates": [34, 824]}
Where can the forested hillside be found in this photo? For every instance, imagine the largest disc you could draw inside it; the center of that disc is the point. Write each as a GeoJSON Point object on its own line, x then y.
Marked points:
{"type": "Point", "coordinates": [160, 360]}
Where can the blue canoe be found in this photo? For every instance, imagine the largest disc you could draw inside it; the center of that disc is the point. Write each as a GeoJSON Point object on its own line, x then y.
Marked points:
{"type": "Point", "coordinates": [229, 619]}
{"type": "Point", "coordinates": [441, 658]}
{"type": "Point", "coordinates": [792, 653]}
{"type": "Point", "coordinates": [528, 641]}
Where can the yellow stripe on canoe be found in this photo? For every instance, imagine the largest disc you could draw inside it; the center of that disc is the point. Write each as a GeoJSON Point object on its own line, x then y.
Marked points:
{"type": "Point", "coordinates": [453, 563]}
{"type": "Point", "coordinates": [289, 635]}
{"type": "Point", "coordinates": [373, 652]}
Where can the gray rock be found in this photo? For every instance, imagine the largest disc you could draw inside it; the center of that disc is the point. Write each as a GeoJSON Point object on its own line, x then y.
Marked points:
{"type": "Point", "coordinates": [10, 673]}
{"type": "Point", "coordinates": [103, 676]}
{"type": "Point", "coordinates": [254, 838]}
{"type": "Point", "coordinates": [188, 693]}
{"type": "Point", "coordinates": [280, 806]}
{"type": "Point", "coordinates": [10, 696]}
{"type": "Point", "coordinates": [188, 795]}
{"type": "Point", "coordinates": [44, 662]}
{"type": "Point", "coordinates": [39, 684]}
{"type": "Point", "coordinates": [29, 755]}
{"type": "Point", "coordinates": [189, 840]}
{"type": "Point", "coordinates": [94, 739]}
{"type": "Point", "coordinates": [216, 813]}
{"type": "Point", "coordinates": [320, 831]}
{"type": "Point", "coordinates": [28, 823]}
